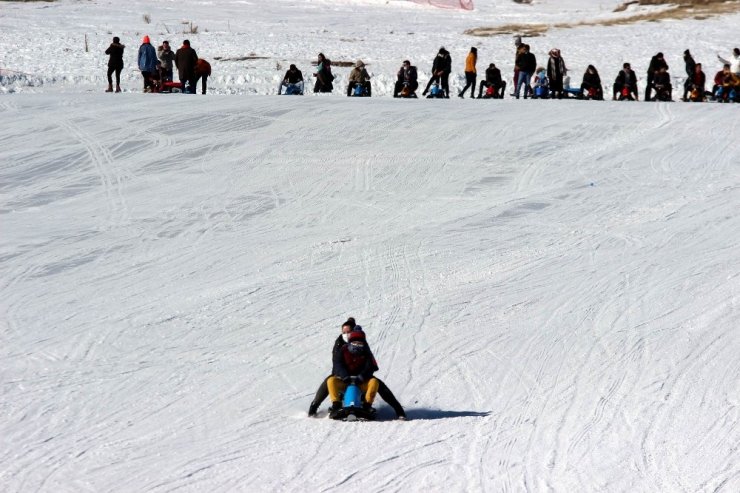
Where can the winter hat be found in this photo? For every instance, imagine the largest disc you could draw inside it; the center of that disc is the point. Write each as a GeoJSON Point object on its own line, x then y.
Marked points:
{"type": "Point", "coordinates": [359, 64]}
{"type": "Point", "coordinates": [145, 40]}
{"type": "Point", "coordinates": [292, 66]}
{"type": "Point", "coordinates": [116, 39]}
{"type": "Point", "coordinates": [357, 335]}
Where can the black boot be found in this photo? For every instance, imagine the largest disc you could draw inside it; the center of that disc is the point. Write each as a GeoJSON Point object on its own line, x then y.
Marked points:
{"type": "Point", "coordinates": [335, 408]}
{"type": "Point", "coordinates": [313, 409]}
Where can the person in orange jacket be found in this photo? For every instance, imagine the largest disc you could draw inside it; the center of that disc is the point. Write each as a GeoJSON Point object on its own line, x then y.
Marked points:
{"type": "Point", "coordinates": [202, 70]}
{"type": "Point", "coordinates": [470, 72]}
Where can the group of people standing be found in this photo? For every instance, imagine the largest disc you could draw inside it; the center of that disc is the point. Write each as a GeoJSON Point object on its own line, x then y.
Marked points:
{"type": "Point", "coordinates": [157, 67]}
{"type": "Point", "coordinates": [530, 80]}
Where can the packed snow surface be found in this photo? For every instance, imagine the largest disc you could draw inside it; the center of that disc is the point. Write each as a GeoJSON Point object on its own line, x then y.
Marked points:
{"type": "Point", "coordinates": [551, 288]}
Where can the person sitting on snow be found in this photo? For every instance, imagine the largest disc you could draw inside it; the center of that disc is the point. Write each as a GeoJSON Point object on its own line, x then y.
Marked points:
{"type": "Point", "coordinates": [541, 84]}
{"type": "Point", "coordinates": [354, 359]}
{"type": "Point", "coordinates": [406, 81]}
{"type": "Point", "coordinates": [292, 82]}
{"type": "Point", "coordinates": [359, 77]}
{"type": "Point", "coordinates": [662, 85]}
{"type": "Point", "coordinates": [695, 86]}
{"type": "Point", "coordinates": [493, 84]}
{"type": "Point", "coordinates": [625, 85]}
{"type": "Point", "coordinates": [591, 85]}
{"type": "Point", "coordinates": [323, 391]}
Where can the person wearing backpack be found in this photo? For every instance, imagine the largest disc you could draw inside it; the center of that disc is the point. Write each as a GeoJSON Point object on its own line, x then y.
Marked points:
{"type": "Point", "coordinates": [324, 77]}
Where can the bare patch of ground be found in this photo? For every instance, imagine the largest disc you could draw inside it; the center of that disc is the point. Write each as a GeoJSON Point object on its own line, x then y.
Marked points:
{"type": "Point", "coordinates": [697, 9]}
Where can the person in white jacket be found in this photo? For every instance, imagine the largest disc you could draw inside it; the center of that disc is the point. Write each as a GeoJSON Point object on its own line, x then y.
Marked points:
{"type": "Point", "coordinates": [734, 61]}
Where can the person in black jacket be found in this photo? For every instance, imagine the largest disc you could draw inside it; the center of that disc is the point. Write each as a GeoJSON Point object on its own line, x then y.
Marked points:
{"type": "Point", "coordinates": [493, 80]}
{"type": "Point", "coordinates": [185, 60]}
{"type": "Point", "coordinates": [526, 63]}
{"type": "Point", "coordinates": [662, 85]}
{"type": "Point", "coordinates": [690, 72]}
{"type": "Point", "coordinates": [625, 85]}
{"type": "Point", "coordinates": [323, 391]}
{"type": "Point", "coordinates": [591, 85]}
{"type": "Point", "coordinates": [441, 69]}
{"type": "Point", "coordinates": [292, 81]}
{"type": "Point", "coordinates": [324, 77]}
{"type": "Point", "coordinates": [697, 85]}
{"type": "Point", "coordinates": [115, 63]}
{"type": "Point", "coordinates": [406, 83]}
{"type": "Point", "coordinates": [656, 63]}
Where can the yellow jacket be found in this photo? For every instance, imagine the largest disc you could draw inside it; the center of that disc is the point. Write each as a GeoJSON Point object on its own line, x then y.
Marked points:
{"type": "Point", "coordinates": [470, 62]}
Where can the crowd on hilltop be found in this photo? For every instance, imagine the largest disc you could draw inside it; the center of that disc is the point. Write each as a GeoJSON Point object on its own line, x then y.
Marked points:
{"type": "Point", "coordinates": [550, 80]}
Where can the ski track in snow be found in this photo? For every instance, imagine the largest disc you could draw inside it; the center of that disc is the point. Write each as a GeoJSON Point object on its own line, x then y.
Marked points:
{"type": "Point", "coordinates": [555, 312]}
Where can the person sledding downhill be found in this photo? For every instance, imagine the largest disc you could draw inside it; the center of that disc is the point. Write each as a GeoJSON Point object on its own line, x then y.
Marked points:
{"type": "Point", "coordinates": [322, 392]}
{"type": "Point", "coordinates": [354, 364]}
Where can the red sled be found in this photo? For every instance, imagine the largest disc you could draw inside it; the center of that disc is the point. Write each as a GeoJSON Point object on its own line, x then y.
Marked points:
{"type": "Point", "coordinates": [170, 86]}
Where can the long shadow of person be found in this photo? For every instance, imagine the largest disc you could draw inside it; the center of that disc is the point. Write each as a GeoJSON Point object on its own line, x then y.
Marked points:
{"type": "Point", "coordinates": [423, 413]}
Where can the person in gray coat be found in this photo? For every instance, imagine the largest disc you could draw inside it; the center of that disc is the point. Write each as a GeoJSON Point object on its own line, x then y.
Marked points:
{"type": "Point", "coordinates": [166, 59]}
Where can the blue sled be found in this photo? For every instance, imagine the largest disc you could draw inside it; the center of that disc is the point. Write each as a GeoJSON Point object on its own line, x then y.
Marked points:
{"type": "Point", "coordinates": [353, 408]}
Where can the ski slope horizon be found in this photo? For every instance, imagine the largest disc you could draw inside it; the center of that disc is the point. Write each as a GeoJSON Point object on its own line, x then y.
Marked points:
{"type": "Point", "coordinates": [553, 296]}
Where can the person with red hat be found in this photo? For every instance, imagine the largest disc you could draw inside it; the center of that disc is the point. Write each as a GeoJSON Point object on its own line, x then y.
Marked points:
{"type": "Point", "coordinates": [147, 62]}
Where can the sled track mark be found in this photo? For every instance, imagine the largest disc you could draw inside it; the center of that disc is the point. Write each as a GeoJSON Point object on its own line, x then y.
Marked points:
{"type": "Point", "coordinates": [102, 162]}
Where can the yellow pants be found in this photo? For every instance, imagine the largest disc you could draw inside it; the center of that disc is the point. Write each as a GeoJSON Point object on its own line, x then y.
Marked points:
{"type": "Point", "coordinates": [336, 387]}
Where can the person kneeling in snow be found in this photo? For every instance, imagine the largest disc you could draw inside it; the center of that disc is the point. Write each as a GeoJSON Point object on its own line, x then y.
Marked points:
{"type": "Point", "coordinates": [292, 82]}
{"type": "Point", "coordinates": [353, 360]}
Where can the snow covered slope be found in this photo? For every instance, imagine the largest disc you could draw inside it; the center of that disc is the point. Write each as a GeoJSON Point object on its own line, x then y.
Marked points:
{"type": "Point", "coordinates": [551, 290]}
